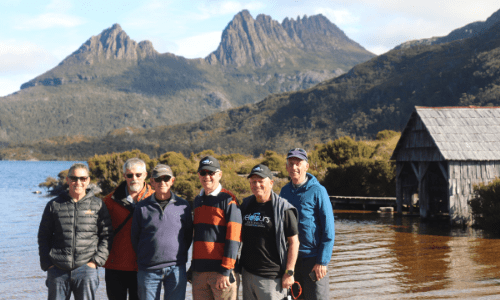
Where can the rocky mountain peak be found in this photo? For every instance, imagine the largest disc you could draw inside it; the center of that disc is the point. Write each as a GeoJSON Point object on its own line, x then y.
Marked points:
{"type": "Point", "coordinates": [111, 43]}
{"type": "Point", "coordinates": [260, 41]}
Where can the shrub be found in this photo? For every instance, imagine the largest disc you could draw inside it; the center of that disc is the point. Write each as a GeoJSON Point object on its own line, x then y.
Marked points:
{"type": "Point", "coordinates": [386, 134]}
{"type": "Point", "coordinates": [485, 206]}
{"type": "Point", "coordinates": [362, 177]}
{"type": "Point", "coordinates": [107, 169]}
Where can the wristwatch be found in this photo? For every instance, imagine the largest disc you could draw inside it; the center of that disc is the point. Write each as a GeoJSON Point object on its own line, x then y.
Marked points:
{"type": "Point", "coordinates": [289, 272]}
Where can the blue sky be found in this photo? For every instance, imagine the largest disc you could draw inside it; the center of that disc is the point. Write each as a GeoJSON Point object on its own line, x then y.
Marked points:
{"type": "Point", "coordinates": [37, 35]}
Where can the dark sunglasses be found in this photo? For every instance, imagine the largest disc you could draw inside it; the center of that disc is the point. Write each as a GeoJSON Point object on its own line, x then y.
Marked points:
{"type": "Point", "coordinates": [132, 175]}
{"type": "Point", "coordinates": [205, 173]}
{"type": "Point", "coordinates": [76, 178]}
{"type": "Point", "coordinates": [162, 178]}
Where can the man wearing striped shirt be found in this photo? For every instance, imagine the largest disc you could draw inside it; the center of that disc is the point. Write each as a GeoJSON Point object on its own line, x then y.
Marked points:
{"type": "Point", "coordinates": [217, 236]}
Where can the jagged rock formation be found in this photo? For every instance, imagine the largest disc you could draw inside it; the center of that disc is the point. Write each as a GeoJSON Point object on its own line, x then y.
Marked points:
{"type": "Point", "coordinates": [467, 31]}
{"type": "Point", "coordinates": [262, 41]}
{"type": "Point", "coordinates": [112, 43]}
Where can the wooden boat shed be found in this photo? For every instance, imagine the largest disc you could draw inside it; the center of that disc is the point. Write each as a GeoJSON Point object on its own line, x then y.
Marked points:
{"type": "Point", "coordinates": [442, 153]}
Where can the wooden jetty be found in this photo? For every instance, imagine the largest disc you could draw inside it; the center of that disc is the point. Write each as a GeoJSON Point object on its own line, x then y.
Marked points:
{"type": "Point", "coordinates": [363, 201]}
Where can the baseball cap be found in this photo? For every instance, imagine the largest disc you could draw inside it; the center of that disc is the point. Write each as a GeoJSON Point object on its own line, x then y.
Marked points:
{"type": "Point", "coordinates": [209, 163]}
{"type": "Point", "coordinates": [297, 152]}
{"type": "Point", "coordinates": [261, 170]}
{"type": "Point", "coordinates": [161, 170]}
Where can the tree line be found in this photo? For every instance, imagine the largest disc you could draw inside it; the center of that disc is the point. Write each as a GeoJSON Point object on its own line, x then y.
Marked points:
{"type": "Point", "coordinates": [345, 166]}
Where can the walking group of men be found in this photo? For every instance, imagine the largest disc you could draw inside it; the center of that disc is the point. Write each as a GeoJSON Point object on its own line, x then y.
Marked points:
{"type": "Point", "coordinates": [141, 235]}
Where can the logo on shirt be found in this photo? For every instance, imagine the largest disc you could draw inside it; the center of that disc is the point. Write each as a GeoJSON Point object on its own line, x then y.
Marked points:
{"type": "Point", "coordinates": [256, 220]}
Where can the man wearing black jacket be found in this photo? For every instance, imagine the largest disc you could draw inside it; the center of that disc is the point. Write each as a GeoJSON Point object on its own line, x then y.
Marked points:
{"type": "Point", "coordinates": [74, 239]}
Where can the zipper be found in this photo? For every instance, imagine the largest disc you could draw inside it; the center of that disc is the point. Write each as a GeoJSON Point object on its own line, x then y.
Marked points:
{"type": "Point", "coordinates": [74, 235]}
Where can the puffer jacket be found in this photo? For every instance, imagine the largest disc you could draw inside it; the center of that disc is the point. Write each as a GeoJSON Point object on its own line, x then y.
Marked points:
{"type": "Point", "coordinates": [72, 234]}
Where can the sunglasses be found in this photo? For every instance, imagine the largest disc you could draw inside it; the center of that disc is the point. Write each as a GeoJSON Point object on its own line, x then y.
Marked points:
{"type": "Point", "coordinates": [162, 178]}
{"type": "Point", "coordinates": [132, 175]}
{"type": "Point", "coordinates": [205, 173]}
{"type": "Point", "coordinates": [76, 178]}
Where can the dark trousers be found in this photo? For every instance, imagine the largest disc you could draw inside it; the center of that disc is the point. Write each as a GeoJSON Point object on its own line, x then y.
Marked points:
{"type": "Point", "coordinates": [311, 290]}
{"type": "Point", "coordinates": [118, 283]}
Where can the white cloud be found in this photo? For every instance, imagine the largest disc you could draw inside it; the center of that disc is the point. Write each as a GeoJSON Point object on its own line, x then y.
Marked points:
{"type": "Point", "coordinates": [19, 57]}
{"type": "Point", "coordinates": [59, 5]}
{"type": "Point", "coordinates": [48, 20]}
{"type": "Point", "coordinates": [199, 46]}
{"type": "Point", "coordinates": [338, 17]}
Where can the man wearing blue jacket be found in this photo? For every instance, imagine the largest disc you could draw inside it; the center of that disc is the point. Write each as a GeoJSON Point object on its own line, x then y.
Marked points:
{"type": "Point", "coordinates": [316, 226]}
{"type": "Point", "coordinates": [162, 230]}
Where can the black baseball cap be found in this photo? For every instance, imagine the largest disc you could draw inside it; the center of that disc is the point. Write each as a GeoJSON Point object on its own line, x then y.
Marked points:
{"type": "Point", "coordinates": [297, 152]}
{"type": "Point", "coordinates": [209, 163]}
{"type": "Point", "coordinates": [262, 171]}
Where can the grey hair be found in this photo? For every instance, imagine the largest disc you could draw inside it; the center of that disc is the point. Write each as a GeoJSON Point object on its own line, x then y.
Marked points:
{"type": "Point", "coordinates": [76, 166]}
{"type": "Point", "coordinates": [132, 162]}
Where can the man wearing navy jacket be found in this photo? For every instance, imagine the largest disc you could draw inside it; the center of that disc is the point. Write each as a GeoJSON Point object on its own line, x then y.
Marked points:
{"type": "Point", "coordinates": [162, 230]}
{"type": "Point", "coordinates": [316, 226]}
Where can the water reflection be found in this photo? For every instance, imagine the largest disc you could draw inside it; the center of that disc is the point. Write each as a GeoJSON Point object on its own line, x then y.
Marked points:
{"type": "Point", "coordinates": [392, 257]}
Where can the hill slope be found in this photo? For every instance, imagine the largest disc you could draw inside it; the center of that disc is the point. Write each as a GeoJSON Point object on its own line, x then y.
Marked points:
{"type": "Point", "coordinates": [112, 81]}
{"type": "Point", "coordinates": [373, 96]}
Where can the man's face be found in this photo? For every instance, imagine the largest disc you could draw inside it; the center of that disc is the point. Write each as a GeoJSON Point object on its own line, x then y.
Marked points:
{"type": "Point", "coordinates": [261, 187]}
{"type": "Point", "coordinates": [162, 184]}
{"type": "Point", "coordinates": [135, 178]}
{"type": "Point", "coordinates": [209, 180]}
{"type": "Point", "coordinates": [78, 182]}
{"type": "Point", "coordinates": [297, 169]}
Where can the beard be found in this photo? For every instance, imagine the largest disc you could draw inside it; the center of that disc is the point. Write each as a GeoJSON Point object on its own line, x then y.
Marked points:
{"type": "Point", "coordinates": [135, 186]}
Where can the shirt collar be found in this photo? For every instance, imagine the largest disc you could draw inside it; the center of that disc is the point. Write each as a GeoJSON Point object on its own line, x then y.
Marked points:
{"type": "Point", "coordinates": [214, 193]}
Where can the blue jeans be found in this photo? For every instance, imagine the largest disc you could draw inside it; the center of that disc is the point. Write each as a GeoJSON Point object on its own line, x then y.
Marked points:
{"type": "Point", "coordinates": [82, 281]}
{"type": "Point", "coordinates": [174, 281]}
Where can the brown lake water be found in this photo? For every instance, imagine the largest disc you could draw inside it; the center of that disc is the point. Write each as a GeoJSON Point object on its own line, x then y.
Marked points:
{"type": "Point", "coordinates": [376, 256]}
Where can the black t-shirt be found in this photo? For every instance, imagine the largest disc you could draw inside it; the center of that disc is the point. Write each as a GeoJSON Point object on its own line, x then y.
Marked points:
{"type": "Point", "coordinates": [259, 254]}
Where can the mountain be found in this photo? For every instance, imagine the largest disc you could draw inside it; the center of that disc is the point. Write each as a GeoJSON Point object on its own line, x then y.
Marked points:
{"type": "Point", "coordinates": [373, 96]}
{"type": "Point", "coordinates": [112, 82]}
{"type": "Point", "coordinates": [467, 31]}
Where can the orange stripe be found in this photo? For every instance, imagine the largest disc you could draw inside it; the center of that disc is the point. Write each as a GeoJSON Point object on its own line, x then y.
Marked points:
{"type": "Point", "coordinates": [209, 215]}
{"type": "Point", "coordinates": [208, 250]}
{"type": "Point", "coordinates": [233, 197]}
{"type": "Point", "coordinates": [233, 231]}
{"type": "Point", "coordinates": [228, 263]}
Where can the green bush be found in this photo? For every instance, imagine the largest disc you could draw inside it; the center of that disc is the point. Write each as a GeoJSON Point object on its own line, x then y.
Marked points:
{"type": "Point", "coordinates": [386, 134]}
{"type": "Point", "coordinates": [362, 177]}
{"type": "Point", "coordinates": [485, 206]}
{"type": "Point", "coordinates": [107, 169]}
{"type": "Point", "coordinates": [275, 162]}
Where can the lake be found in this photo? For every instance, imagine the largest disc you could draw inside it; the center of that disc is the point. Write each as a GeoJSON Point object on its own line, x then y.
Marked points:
{"type": "Point", "coordinates": [376, 256]}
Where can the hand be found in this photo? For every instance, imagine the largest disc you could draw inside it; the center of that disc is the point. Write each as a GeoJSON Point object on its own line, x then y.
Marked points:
{"type": "Point", "coordinates": [92, 265]}
{"type": "Point", "coordinates": [320, 271]}
{"type": "Point", "coordinates": [287, 281]}
{"type": "Point", "coordinates": [222, 282]}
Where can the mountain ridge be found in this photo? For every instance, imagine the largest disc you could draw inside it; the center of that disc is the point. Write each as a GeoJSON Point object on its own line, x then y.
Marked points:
{"type": "Point", "coordinates": [373, 96]}
{"type": "Point", "coordinates": [111, 81]}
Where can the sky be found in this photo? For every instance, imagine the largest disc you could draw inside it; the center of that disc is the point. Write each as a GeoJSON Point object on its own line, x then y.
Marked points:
{"type": "Point", "coordinates": [37, 35]}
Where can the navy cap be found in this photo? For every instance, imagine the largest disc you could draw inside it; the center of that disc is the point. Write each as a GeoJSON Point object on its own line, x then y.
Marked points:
{"type": "Point", "coordinates": [297, 152]}
{"type": "Point", "coordinates": [209, 163]}
{"type": "Point", "coordinates": [261, 170]}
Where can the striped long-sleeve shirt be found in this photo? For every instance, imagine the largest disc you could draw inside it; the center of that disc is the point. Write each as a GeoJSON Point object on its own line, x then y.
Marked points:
{"type": "Point", "coordinates": [217, 232]}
